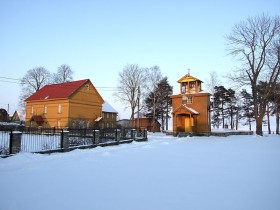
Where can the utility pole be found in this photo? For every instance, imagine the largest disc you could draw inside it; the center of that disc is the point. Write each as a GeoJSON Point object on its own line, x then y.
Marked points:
{"type": "Point", "coordinates": [138, 101]}
{"type": "Point", "coordinates": [8, 117]}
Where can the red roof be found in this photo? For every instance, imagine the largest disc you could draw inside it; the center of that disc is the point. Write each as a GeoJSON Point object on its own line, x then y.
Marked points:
{"type": "Point", "coordinates": [62, 90]}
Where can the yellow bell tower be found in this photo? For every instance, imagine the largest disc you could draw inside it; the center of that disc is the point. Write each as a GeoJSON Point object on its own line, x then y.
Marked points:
{"type": "Point", "coordinates": [191, 107]}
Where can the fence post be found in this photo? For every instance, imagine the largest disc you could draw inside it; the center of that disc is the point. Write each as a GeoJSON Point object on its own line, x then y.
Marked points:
{"type": "Point", "coordinates": [15, 142]}
{"type": "Point", "coordinates": [145, 134]}
{"type": "Point", "coordinates": [133, 134]}
{"type": "Point", "coordinates": [84, 133]}
{"type": "Point", "coordinates": [118, 135]}
{"type": "Point", "coordinates": [64, 139]}
{"type": "Point", "coordinates": [96, 136]}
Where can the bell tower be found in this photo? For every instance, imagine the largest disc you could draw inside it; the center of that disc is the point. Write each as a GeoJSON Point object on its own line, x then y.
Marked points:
{"type": "Point", "coordinates": [191, 107]}
{"type": "Point", "coordinates": [189, 84]}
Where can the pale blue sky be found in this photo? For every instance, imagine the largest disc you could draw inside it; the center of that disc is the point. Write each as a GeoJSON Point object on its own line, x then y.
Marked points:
{"type": "Point", "coordinates": [98, 38]}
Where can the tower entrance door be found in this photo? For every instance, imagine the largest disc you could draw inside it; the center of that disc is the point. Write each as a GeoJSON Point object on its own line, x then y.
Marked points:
{"type": "Point", "coordinates": [189, 122]}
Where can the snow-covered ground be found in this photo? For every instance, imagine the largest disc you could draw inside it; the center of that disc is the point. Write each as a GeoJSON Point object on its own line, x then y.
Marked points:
{"type": "Point", "coordinates": [236, 172]}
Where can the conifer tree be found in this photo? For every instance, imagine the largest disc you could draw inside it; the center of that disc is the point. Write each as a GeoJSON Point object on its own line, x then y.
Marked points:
{"type": "Point", "coordinates": [276, 106]}
{"type": "Point", "coordinates": [231, 106]}
{"type": "Point", "coordinates": [158, 102]}
{"type": "Point", "coordinates": [219, 106]}
{"type": "Point", "coordinates": [247, 111]}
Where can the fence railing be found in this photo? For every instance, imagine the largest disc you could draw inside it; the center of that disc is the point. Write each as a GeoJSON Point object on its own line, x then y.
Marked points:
{"type": "Point", "coordinates": [5, 141]}
{"type": "Point", "coordinates": [47, 139]}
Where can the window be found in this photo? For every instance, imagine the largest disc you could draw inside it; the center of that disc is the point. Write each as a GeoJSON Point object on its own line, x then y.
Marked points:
{"type": "Point", "coordinates": [59, 108]}
{"type": "Point", "coordinates": [45, 109]}
{"type": "Point", "coordinates": [81, 124]}
{"type": "Point", "coordinates": [32, 109]}
{"type": "Point", "coordinates": [58, 123]}
{"type": "Point", "coordinates": [108, 115]}
{"type": "Point", "coordinates": [189, 100]}
{"type": "Point", "coordinates": [192, 86]}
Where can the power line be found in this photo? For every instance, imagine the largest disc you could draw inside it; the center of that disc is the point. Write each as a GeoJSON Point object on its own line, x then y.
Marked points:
{"type": "Point", "coordinates": [9, 78]}
{"type": "Point", "coordinates": [17, 81]}
{"type": "Point", "coordinates": [9, 81]}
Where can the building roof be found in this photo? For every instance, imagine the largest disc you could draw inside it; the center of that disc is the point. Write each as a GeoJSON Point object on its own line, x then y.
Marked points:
{"type": "Point", "coordinates": [37, 118]}
{"type": "Point", "coordinates": [62, 90]}
{"type": "Point", "coordinates": [191, 109]}
{"type": "Point", "coordinates": [98, 119]}
{"type": "Point", "coordinates": [106, 107]}
{"type": "Point", "coordinates": [188, 78]}
{"type": "Point", "coordinates": [18, 115]}
{"type": "Point", "coordinates": [189, 94]}
{"type": "Point", "coordinates": [184, 106]}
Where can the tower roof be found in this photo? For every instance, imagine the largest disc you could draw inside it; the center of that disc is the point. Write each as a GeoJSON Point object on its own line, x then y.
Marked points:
{"type": "Point", "coordinates": [188, 78]}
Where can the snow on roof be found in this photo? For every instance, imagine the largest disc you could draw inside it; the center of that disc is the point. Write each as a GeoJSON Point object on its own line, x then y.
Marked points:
{"type": "Point", "coordinates": [186, 107]}
{"type": "Point", "coordinates": [106, 107]}
{"type": "Point", "coordinates": [191, 109]}
{"type": "Point", "coordinates": [21, 114]}
{"type": "Point", "coordinates": [98, 119]}
{"type": "Point", "coordinates": [200, 92]}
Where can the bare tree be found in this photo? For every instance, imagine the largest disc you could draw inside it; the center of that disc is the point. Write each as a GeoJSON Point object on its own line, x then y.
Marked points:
{"type": "Point", "coordinates": [256, 45]}
{"type": "Point", "coordinates": [32, 81]}
{"type": "Point", "coordinates": [64, 74]}
{"type": "Point", "coordinates": [154, 78]}
{"type": "Point", "coordinates": [131, 80]}
{"type": "Point", "coordinates": [212, 81]}
{"type": "Point", "coordinates": [35, 79]}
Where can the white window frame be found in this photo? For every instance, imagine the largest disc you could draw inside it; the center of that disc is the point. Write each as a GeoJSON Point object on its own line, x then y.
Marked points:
{"type": "Point", "coordinates": [183, 89]}
{"type": "Point", "coordinates": [59, 108]}
{"type": "Point", "coordinates": [189, 100]}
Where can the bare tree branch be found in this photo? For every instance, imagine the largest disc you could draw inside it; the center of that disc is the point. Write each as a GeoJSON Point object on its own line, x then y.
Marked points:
{"type": "Point", "coordinates": [252, 42]}
{"type": "Point", "coordinates": [131, 80]}
{"type": "Point", "coordinates": [32, 81]}
{"type": "Point", "coordinates": [64, 74]}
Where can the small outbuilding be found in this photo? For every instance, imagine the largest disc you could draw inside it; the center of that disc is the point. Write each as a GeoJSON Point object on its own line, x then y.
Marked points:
{"type": "Point", "coordinates": [140, 123]}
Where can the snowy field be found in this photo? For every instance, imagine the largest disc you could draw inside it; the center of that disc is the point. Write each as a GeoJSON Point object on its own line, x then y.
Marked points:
{"type": "Point", "coordinates": [236, 172]}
